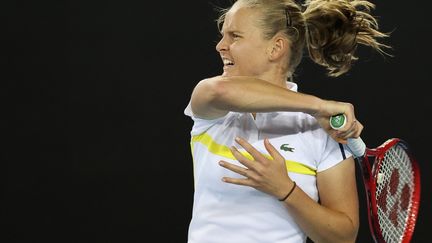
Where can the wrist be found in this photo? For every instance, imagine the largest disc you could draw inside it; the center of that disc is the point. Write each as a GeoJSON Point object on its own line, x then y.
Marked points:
{"type": "Point", "coordinates": [314, 107]}
{"type": "Point", "coordinates": [286, 196]}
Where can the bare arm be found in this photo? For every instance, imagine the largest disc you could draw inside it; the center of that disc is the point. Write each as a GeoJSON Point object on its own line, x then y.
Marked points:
{"type": "Point", "coordinates": [215, 97]}
{"type": "Point", "coordinates": [334, 220]}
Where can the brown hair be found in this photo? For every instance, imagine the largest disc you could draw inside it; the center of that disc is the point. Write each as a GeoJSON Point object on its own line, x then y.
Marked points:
{"type": "Point", "coordinates": [330, 29]}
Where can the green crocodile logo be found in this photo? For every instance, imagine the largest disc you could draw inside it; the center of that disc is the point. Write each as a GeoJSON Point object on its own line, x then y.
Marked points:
{"type": "Point", "coordinates": [286, 147]}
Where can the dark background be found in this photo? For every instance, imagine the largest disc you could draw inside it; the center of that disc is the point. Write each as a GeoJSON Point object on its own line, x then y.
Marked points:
{"type": "Point", "coordinates": [95, 143]}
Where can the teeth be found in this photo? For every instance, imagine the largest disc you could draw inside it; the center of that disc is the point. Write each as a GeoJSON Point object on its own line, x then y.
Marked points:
{"type": "Point", "coordinates": [227, 62]}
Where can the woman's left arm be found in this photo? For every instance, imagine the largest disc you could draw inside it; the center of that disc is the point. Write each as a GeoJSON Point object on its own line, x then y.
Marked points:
{"type": "Point", "coordinates": [334, 219]}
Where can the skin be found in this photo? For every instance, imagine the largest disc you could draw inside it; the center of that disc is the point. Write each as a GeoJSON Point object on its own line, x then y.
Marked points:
{"type": "Point", "coordinates": [334, 220]}
{"type": "Point", "coordinates": [258, 84]}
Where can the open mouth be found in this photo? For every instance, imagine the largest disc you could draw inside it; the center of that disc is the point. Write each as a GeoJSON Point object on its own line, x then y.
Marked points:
{"type": "Point", "coordinates": [227, 62]}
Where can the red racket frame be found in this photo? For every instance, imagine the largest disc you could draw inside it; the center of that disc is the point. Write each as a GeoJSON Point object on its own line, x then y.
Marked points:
{"type": "Point", "coordinates": [370, 183]}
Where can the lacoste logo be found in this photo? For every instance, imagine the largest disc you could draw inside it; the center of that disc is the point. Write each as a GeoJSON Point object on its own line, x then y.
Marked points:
{"type": "Point", "coordinates": [286, 147]}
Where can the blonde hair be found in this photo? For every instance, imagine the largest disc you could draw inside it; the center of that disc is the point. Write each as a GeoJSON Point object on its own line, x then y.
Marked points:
{"type": "Point", "coordinates": [330, 29]}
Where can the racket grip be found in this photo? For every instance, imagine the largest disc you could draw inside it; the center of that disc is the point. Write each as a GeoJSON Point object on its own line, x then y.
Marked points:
{"type": "Point", "coordinates": [355, 145]}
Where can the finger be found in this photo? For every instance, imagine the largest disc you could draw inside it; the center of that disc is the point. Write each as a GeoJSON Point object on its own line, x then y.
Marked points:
{"type": "Point", "coordinates": [239, 181]}
{"type": "Point", "coordinates": [248, 173]}
{"type": "Point", "coordinates": [350, 112]}
{"type": "Point", "coordinates": [345, 134]}
{"type": "Point", "coordinates": [339, 139]}
{"type": "Point", "coordinates": [242, 159]}
{"type": "Point", "coordinates": [250, 149]}
{"type": "Point", "coordinates": [272, 150]}
{"type": "Point", "coordinates": [359, 129]}
{"type": "Point", "coordinates": [345, 129]}
{"type": "Point", "coordinates": [234, 168]}
{"type": "Point", "coordinates": [353, 132]}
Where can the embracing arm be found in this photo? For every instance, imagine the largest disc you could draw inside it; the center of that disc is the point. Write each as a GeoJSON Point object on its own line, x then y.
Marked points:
{"type": "Point", "coordinates": [215, 97]}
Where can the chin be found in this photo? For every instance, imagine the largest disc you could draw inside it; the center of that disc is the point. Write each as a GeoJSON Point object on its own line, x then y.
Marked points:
{"type": "Point", "coordinates": [226, 74]}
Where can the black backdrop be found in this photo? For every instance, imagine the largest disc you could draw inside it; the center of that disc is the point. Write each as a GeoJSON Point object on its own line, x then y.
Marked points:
{"type": "Point", "coordinates": [95, 143]}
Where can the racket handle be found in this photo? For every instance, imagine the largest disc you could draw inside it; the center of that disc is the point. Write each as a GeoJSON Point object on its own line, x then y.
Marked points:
{"type": "Point", "coordinates": [355, 145]}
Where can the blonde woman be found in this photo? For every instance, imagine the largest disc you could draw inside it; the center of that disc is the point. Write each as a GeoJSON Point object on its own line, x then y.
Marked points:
{"type": "Point", "coordinates": [267, 166]}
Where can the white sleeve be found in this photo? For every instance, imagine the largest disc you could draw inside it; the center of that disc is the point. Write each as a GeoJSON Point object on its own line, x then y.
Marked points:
{"type": "Point", "coordinates": [200, 125]}
{"type": "Point", "coordinates": [333, 154]}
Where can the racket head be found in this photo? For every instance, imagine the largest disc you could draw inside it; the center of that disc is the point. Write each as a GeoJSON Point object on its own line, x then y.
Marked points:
{"type": "Point", "coordinates": [394, 192]}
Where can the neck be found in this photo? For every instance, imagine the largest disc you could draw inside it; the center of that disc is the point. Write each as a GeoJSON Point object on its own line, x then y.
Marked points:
{"type": "Point", "coordinates": [276, 77]}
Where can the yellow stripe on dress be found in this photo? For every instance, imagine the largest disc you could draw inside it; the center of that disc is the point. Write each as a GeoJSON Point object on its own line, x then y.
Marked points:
{"type": "Point", "coordinates": [224, 151]}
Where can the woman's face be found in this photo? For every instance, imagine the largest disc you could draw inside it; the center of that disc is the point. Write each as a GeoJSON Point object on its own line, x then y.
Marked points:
{"type": "Point", "coordinates": [243, 49]}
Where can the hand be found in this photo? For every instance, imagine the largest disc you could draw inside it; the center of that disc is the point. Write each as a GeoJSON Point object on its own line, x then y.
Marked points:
{"type": "Point", "coordinates": [352, 128]}
{"type": "Point", "coordinates": [264, 174]}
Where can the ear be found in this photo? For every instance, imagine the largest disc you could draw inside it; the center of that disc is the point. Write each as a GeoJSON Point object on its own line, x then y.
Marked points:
{"type": "Point", "coordinates": [279, 47]}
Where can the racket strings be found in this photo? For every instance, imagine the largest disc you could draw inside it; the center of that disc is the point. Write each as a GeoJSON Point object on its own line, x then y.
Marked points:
{"type": "Point", "coordinates": [393, 193]}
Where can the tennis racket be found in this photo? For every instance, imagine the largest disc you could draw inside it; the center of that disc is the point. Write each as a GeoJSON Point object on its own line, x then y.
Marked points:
{"type": "Point", "coordinates": [391, 178]}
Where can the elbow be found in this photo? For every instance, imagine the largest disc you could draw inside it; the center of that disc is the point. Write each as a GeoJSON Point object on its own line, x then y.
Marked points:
{"type": "Point", "coordinates": [208, 99]}
{"type": "Point", "coordinates": [355, 224]}
{"type": "Point", "coordinates": [216, 88]}
{"type": "Point", "coordinates": [345, 234]}
{"type": "Point", "coordinates": [351, 233]}
{"type": "Point", "coordinates": [210, 91]}
{"type": "Point", "coordinates": [350, 239]}
{"type": "Point", "coordinates": [354, 232]}
{"type": "Point", "coordinates": [341, 239]}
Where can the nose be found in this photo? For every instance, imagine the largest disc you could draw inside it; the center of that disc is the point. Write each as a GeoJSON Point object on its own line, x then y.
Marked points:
{"type": "Point", "coordinates": [222, 45]}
